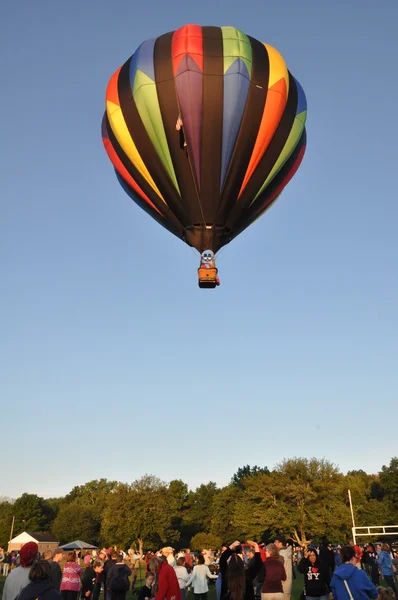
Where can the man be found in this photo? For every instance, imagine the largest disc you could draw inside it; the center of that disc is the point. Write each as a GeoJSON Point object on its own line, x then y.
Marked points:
{"type": "Point", "coordinates": [358, 553]}
{"type": "Point", "coordinates": [188, 560]}
{"type": "Point", "coordinates": [112, 558]}
{"type": "Point", "coordinates": [167, 582]}
{"type": "Point", "coordinates": [19, 577]}
{"type": "Point", "coordinates": [2, 555]}
{"type": "Point", "coordinates": [168, 553]}
{"type": "Point", "coordinates": [99, 579]}
{"type": "Point", "coordinates": [56, 573]}
{"type": "Point", "coordinates": [286, 554]}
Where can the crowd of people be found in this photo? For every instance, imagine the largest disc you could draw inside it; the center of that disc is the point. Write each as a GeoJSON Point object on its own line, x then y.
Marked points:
{"type": "Point", "coordinates": [248, 571]}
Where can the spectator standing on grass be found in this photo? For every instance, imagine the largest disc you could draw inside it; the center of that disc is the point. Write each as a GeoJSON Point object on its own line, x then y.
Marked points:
{"type": "Point", "coordinates": [40, 585]}
{"type": "Point", "coordinates": [19, 577]}
{"type": "Point", "coordinates": [182, 576]}
{"type": "Point", "coordinates": [231, 559]}
{"type": "Point", "coordinates": [358, 552]}
{"type": "Point", "coordinates": [371, 564]}
{"type": "Point", "coordinates": [386, 567]}
{"type": "Point", "coordinates": [198, 579]}
{"type": "Point", "coordinates": [348, 581]}
{"type": "Point", "coordinates": [286, 553]}
{"type": "Point", "coordinates": [316, 576]}
{"type": "Point", "coordinates": [117, 581]}
{"type": "Point", "coordinates": [166, 580]}
{"type": "Point", "coordinates": [89, 579]}
{"type": "Point", "coordinates": [275, 575]}
{"type": "Point", "coordinates": [70, 583]}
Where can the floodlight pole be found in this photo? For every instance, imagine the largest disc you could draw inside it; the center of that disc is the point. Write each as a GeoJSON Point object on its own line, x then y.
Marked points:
{"type": "Point", "coordinates": [12, 527]}
{"type": "Point", "coordinates": [352, 516]}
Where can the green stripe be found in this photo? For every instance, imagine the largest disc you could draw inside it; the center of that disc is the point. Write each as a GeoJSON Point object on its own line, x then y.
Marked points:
{"type": "Point", "coordinates": [147, 102]}
{"type": "Point", "coordinates": [236, 45]}
{"type": "Point", "coordinates": [287, 151]}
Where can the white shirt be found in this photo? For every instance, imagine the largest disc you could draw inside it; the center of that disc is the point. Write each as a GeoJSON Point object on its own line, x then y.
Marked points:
{"type": "Point", "coordinates": [199, 577]}
{"type": "Point", "coordinates": [171, 560]}
{"type": "Point", "coordinates": [182, 576]}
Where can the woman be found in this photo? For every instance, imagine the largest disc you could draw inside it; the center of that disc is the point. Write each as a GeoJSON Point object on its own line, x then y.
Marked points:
{"type": "Point", "coordinates": [274, 575]}
{"type": "Point", "coordinates": [349, 581]}
{"type": "Point", "coordinates": [199, 577]}
{"type": "Point", "coordinates": [315, 577]}
{"type": "Point", "coordinates": [231, 562]}
{"type": "Point", "coordinates": [40, 585]}
{"type": "Point", "coordinates": [182, 576]}
{"type": "Point", "coordinates": [385, 564]}
{"type": "Point", "coordinates": [70, 584]}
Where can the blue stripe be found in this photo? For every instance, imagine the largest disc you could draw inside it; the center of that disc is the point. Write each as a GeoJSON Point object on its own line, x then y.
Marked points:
{"type": "Point", "coordinates": [236, 89]}
{"type": "Point", "coordinates": [143, 60]}
{"type": "Point", "coordinates": [302, 100]}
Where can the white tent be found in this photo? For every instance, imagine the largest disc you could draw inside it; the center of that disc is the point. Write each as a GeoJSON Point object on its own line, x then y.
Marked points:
{"type": "Point", "coordinates": [21, 539]}
{"type": "Point", "coordinates": [45, 541]}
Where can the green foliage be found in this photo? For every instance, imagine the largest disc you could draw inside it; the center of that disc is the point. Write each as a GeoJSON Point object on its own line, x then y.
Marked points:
{"type": "Point", "coordinates": [238, 478]}
{"type": "Point", "coordinates": [5, 523]}
{"type": "Point", "coordinates": [207, 541]}
{"type": "Point", "coordinates": [389, 483]}
{"type": "Point", "coordinates": [200, 507]}
{"type": "Point", "coordinates": [32, 513]}
{"type": "Point", "coordinates": [76, 521]}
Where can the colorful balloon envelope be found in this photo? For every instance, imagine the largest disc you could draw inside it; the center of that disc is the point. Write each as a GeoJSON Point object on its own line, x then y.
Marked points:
{"type": "Point", "coordinates": [205, 126]}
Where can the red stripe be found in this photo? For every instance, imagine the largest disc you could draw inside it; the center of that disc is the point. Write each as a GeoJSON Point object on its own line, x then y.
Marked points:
{"type": "Point", "coordinates": [187, 40]}
{"type": "Point", "coordinates": [121, 169]}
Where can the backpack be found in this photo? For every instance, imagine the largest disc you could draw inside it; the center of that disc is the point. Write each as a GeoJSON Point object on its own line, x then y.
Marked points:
{"type": "Point", "coordinates": [120, 582]}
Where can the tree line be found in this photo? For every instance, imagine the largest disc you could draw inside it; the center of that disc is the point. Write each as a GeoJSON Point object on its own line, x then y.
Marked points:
{"type": "Point", "coordinates": [305, 499]}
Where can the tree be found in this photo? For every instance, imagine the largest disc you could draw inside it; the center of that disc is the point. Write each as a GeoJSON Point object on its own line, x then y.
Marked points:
{"type": "Point", "coordinates": [200, 507]}
{"type": "Point", "coordinates": [76, 521]}
{"type": "Point", "coordinates": [93, 494]}
{"type": "Point", "coordinates": [389, 483]}
{"type": "Point", "coordinates": [207, 541]}
{"type": "Point", "coordinates": [140, 511]}
{"type": "Point", "coordinates": [238, 478]}
{"type": "Point", "coordinates": [222, 522]}
{"type": "Point", "coordinates": [32, 513]}
{"type": "Point", "coordinates": [300, 498]}
{"type": "Point", "coordinates": [6, 514]}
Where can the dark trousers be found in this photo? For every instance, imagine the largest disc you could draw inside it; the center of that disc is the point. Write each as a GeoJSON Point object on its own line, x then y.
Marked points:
{"type": "Point", "coordinates": [96, 591]}
{"type": "Point", "coordinates": [200, 596]}
{"type": "Point", "coordinates": [69, 595]}
{"type": "Point", "coordinates": [389, 579]}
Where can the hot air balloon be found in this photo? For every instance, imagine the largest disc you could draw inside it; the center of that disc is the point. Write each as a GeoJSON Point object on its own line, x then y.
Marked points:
{"type": "Point", "coordinates": [205, 126]}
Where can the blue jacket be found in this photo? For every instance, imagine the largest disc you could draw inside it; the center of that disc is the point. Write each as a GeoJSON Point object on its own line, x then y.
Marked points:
{"type": "Point", "coordinates": [359, 583]}
{"type": "Point", "coordinates": [385, 563]}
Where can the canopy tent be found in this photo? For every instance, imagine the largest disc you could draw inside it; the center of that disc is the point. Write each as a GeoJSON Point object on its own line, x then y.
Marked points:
{"type": "Point", "coordinates": [78, 545]}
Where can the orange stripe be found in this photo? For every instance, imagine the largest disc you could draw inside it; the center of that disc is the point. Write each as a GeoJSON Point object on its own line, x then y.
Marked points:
{"type": "Point", "coordinates": [121, 169]}
{"type": "Point", "coordinates": [273, 111]}
{"type": "Point", "coordinates": [112, 94]}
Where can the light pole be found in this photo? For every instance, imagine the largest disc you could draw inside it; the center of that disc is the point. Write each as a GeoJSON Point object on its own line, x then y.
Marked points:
{"type": "Point", "coordinates": [352, 516]}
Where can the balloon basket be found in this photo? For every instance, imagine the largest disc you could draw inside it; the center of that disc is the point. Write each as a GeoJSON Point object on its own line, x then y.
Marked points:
{"type": "Point", "coordinates": [207, 278]}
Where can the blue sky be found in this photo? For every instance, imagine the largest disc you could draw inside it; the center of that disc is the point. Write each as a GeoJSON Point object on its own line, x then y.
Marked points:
{"type": "Point", "coordinates": [114, 364]}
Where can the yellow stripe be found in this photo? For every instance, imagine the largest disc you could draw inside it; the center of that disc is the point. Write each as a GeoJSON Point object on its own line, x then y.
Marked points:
{"type": "Point", "coordinates": [277, 67]}
{"type": "Point", "coordinates": [125, 140]}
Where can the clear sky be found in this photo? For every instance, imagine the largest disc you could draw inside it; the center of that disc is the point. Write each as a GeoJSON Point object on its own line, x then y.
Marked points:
{"type": "Point", "coordinates": [113, 363]}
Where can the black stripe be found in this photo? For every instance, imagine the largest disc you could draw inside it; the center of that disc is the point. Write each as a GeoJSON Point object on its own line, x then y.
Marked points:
{"type": "Point", "coordinates": [270, 157]}
{"type": "Point", "coordinates": [212, 122]}
{"type": "Point", "coordinates": [172, 223]}
{"type": "Point", "coordinates": [145, 147]}
{"type": "Point", "coordinates": [164, 77]}
{"type": "Point", "coordinates": [248, 131]}
{"type": "Point", "coordinates": [251, 214]}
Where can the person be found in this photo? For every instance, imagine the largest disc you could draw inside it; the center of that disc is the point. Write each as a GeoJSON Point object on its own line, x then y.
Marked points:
{"type": "Point", "coordinates": [167, 582]}
{"type": "Point", "coordinates": [145, 592]}
{"type": "Point", "coordinates": [40, 585]}
{"type": "Point", "coordinates": [111, 560]}
{"type": "Point", "coordinates": [385, 594]}
{"type": "Point", "coordinates": [286, 553]}
{"type": "Point", "coordinates": [70, 583]}
{"type": "Point", "coordinates": [188, 560]}
{"type": "Point", "coordinates": [326, 558]}
{"type": "Point", "coordinates": [251, 572]}
{"type": "Point", "coordinates": [90, 577]}
{"type": "Point", "coordinates": [371, 564]}
{"type": "Point", "coordinates": [168, 553]}
{"type": "Point", "coordinates": [182, 576]}
{"type": "Point", "coordinates": [348, 581]}
{"type": "Point", "coordinates": [275, 575]}
{"type": "Point", "coordinates": [316, 576]}
{"type": "Point", "coordinates": [6, 564]}
{"type": "Point", "coordinates": [117, 581]}
{"type": "Point", "coordinates": [19, 577]}
{"type": "Point", "coordinates": [385, 564]}
{"type": "Point", "coordinates": [358, 552]}
{"type": "Point", "coordinates": [56, 573]}
{"type": "Point", "coordinates": [198, 578]}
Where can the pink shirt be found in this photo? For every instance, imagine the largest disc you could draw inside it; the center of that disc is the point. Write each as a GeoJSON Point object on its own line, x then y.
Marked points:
{"type": "Point", "coordinates": [71, 577]}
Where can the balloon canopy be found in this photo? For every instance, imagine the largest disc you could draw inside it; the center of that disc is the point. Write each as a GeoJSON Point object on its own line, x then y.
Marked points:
{"type": "Point", "coordinates": [205, 126]}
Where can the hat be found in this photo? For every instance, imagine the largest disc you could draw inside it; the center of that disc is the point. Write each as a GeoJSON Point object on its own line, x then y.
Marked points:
{"type": "Point", "coordinates": [58, 551]}
{"type": "Point", "coordinates": [28, 553]}
{"type": "Point", "coordinates": [280, 538]}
